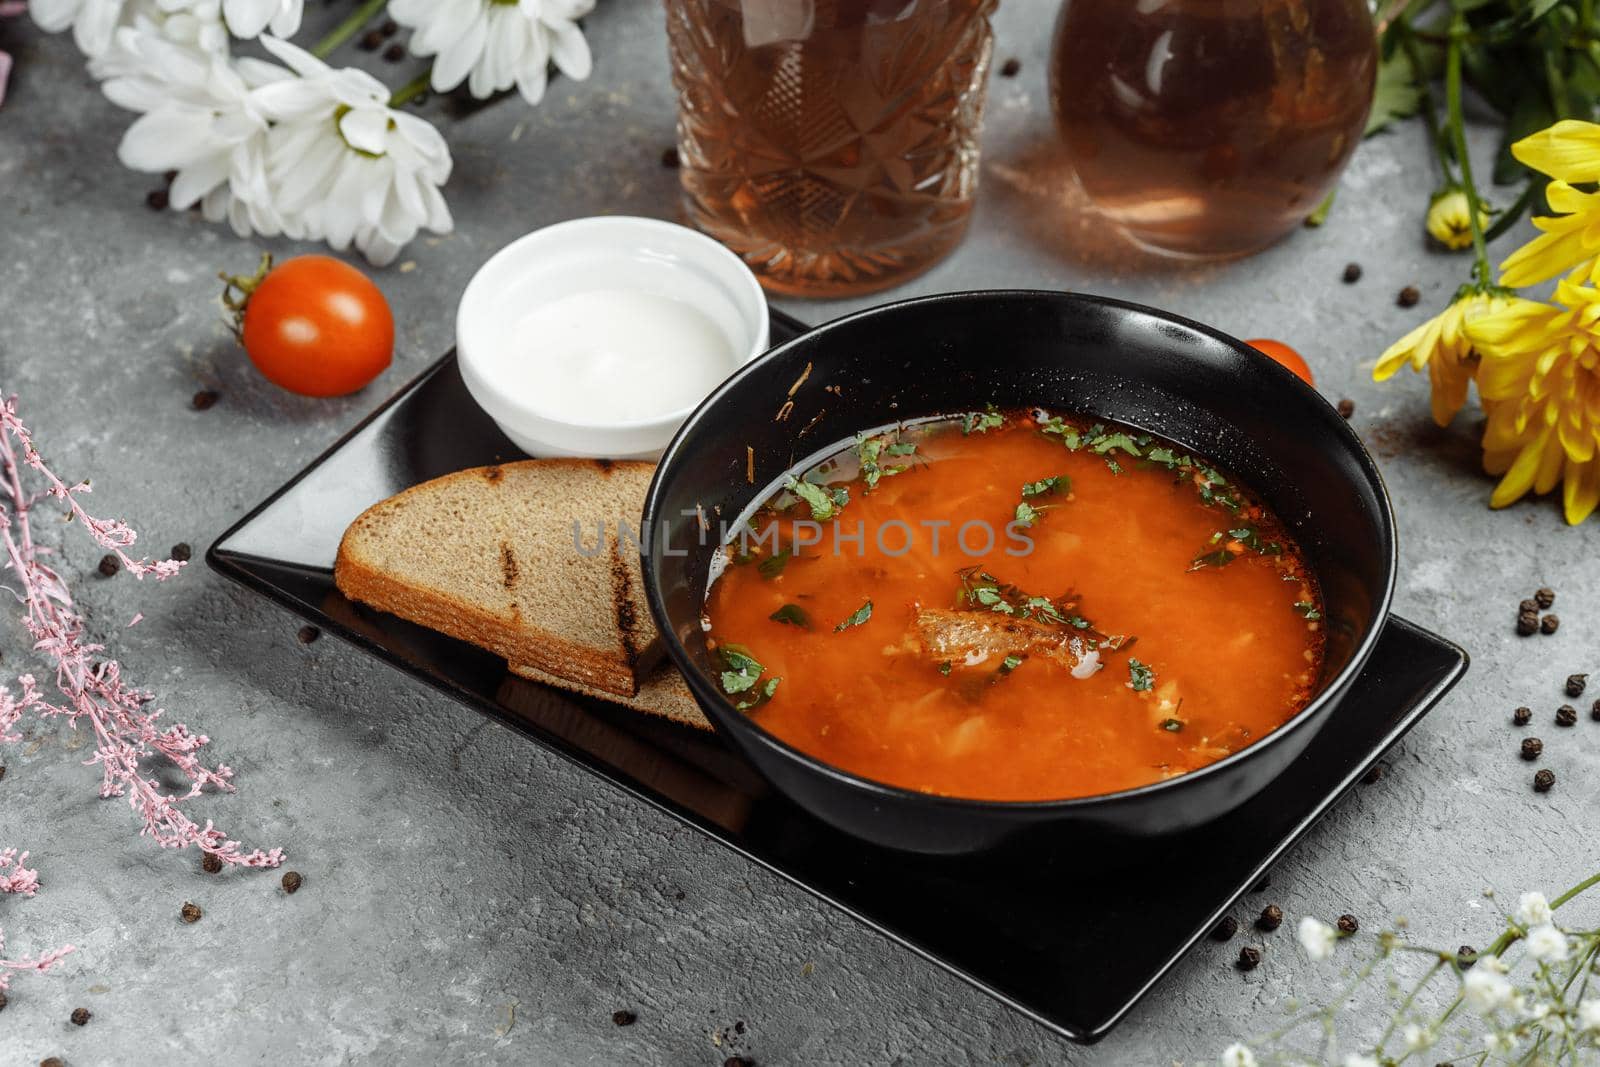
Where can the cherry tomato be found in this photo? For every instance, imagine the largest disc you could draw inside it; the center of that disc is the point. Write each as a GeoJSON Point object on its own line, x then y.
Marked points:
{"type": "Point", "coordinates": [1282, 353]}
{"type": "Point", "coordinates": [318, 327]}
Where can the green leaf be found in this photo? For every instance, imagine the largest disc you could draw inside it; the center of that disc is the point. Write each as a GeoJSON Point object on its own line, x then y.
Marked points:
{"type": "Point", "coordinates": [1307, 610]}
{"type": "Point", "coordinates": [857, 617]}
{"type": "Point", "coordinates": [742, 671]}
{"type": "Point", "coordinates": [944, 668]}
{"type": "Point", "coordinates": [763, 695]}
{"type": "Point", "coordinates": [981, 421]}
{"type": "Point", "coordinates": [1172, 726]}
{"type": "Point", "coordinates": [1026, 514]}
{"type": "Point", "coordinates": [824, 503]}
{"type": "Point", "coordinates": [1141, 678]}
{"type": "Point", "coordinates": [773, 565]}
{"type": "Point", "coordinates": [793, 614]}
{"type": "Point", "coordinates": [1009, 664]}
{"type": "Point", "coordinates": [1397, 95]}
{"type": "Point", "coordinates": [1059, 483]}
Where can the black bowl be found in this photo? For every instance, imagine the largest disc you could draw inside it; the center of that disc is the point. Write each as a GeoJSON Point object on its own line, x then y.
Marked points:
{"type": "Point", "coordinates": [1069, 353]}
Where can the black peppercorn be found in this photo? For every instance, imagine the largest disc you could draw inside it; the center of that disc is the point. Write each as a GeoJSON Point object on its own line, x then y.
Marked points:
{"type": "Point", "coordinates": [1011, 68]}
{"type": "Point", "coordinates": [738, 1061]}
{"type": "Point", "coordinates": [1352, 273]}
{"type": "Point", "coordinates": [394, 53]}
{"type": "Point", "coordinates": [1566, 715]}
{"type": "Point", "coordinates": [1225, 929]}
{"type": "Point", "coordinates": [1594, 711]}
{"type": "Point", "coordinates": [191, 912]}
{"type": "Point", "coordinates": [3, 1001]}
{"type": "Point", "coordinates": [204, 399]}
{"type": "Point", "coordinates": [308, 634]}
{"type": "Point", "coordinates": [1523, 716]}
{"type": "Point", "coordinates": [370, 41]}
{"type": "Point", "coordinates": [1528, 607]}
{"type": "Point", "coordinates": [1546, 598]}
{"type": "Point", "coordinates": [624, 1018]}
{"type": "Point", "coordinates": [157, 199]}
{"type": "Point", "coordinates": [670, 159]}
{"type": "Point", "coordinates": [292, 881]}
{"type": "Point", "coordinates": [1408, 297]}
{"type": "Point", "coordinates": [1575, 684]}
{"type": "Point", "coordinates": [1348, 924]}
{"type": "Point", "coordinates": [109, 565]}
{"type": "Point", "coordinates": [1466, 956]}
{"type": "Point", "coordinates": [81, 1016]}
{"type": "Point", "coordinates": [1261, 886]}
{"type": "Point", "coordinates": [182, 552]}
{"type": "Point", "coordinates": [1249, 958]}
{"type": "Point", "coordinates": [51, 1061]}
{"type": "Point", "coordinates": [1544, 780]}
{"type": "Point", "coordinates": [1527, 625]}
{"type": "Point", "coordinates": [1531, 748]}
{"type": "Point", "coordinates": [1270, 919]}
{"type": "Point", "coordinates": [210, 863]}
{"type": "Point", "coordinates": [389, 28]}
{"type": "Point", "coordinates": [1347, 408]}
{"type": "Point", "coordinates": [1373, 775]}
{"type": "Point", "coordinates": [1549, 624]}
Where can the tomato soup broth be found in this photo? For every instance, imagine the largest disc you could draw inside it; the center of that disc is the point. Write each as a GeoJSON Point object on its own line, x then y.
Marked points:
{"type": "Point", "coordinates": [1037, 608]}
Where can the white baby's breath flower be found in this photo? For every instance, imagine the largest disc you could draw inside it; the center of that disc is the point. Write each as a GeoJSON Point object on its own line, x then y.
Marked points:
{"type": "Point", "coordinates": [1237, 1055]}
{"type": "Point", "coordinates": [1417, 1037]}
{"type": "Point", "coordinates": [343, 165]}
{"type": "Point", "coordinates": [1533, 910]}
{"type": "Point", "coordinates": [1499, 1041]}
{"type": "Point", "coordinates": [1317, 937]}
{"type": "Point", "coordinates": [1486, 988]}
{"type": "Point", "coordinates": [1547, 944]}
{"type": "Point", "coordinates": [1358, 1060]}
{"type": "Point", "coordinates": [494, 44]}
{"type": "Point", "coordinates": [197, 118]}
{"type": "Point", "coordinates": [248, 18]}
{"type": "Point", "coordinates": [1589, 1014]}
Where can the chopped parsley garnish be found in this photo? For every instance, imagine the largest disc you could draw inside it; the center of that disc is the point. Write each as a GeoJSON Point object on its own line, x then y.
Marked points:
{"type": "Point", "coordinates": [773, 565]}
{"type": "Point", "coordinates": [857, 617]}
{"type": "Point", "coordinates": [1113, 466]}
{"type": "Point", "coordinates": [1141, 678]}
{"type": "Point", "coordinates": [983, 589]}
{"type": "Point", "coordinates": [1057, 484]}
{"type": "Point", "coordinates": [743, 669]}
{"type": "Point", "coordinates": [981, 421]}
{"type": "Point", "coordinates": [1009, 664]}
{"type": "Point", "coordinates": [1172, 726]}
{"type": "Point", "coordinates": [944, 668]}
{"type": "Point", "coordinates": [870, 452]}
{"type": "Point", "coordinates": [825, 502]}
{"type": "Point", "coordinates": [743, 672]}
{"type": "Point", "coordinates": [793, 614]}
{"type": "Point", "coordinates": [1026, 514]}
{"type": "Point", "coordinates": [1307, 610]}
{"type": "Point", "coordinates": [1121, 441]}
{"type": "Point", "coordinates": [1248, 538]}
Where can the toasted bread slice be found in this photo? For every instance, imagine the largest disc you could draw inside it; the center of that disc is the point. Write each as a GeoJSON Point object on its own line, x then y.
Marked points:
{"type": "Point", "coordinates": [490, 556]}
{"type": "Point", "coordinates": [662, 692]}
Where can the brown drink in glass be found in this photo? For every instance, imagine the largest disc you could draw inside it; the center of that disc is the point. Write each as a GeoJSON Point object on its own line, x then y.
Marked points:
{"type": "Point", "coordinates": [833, 144]}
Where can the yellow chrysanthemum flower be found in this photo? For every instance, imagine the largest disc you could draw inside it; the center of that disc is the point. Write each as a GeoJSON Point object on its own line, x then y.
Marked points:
{"type": "Point", "coordinates": [1448, 219]}
{"type": "Point", "coordinates": [1569, 152]}
{"type": "Point", "coordinates": [1539, 376]}
{"type": "Point", "coordinates": [1442, 346]}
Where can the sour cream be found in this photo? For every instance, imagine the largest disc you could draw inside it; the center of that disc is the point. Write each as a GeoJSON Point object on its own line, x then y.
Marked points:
{"type": "Point", "coordinates": [616, 355]}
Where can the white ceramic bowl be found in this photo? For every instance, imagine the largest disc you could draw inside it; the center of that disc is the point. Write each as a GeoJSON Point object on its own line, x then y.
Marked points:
{"type": "Point", "coordinates": [585, 255]}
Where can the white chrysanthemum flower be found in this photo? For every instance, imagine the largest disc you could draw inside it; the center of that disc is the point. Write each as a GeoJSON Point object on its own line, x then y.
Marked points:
{"type": "Point", "coordinates": [93, 22]}
{"type": "Point", "coordinates": [1533, 910]}
{"type": "Point", "coordinates": [195, 25]}
{"type": "Point", "coordinates": [1589, 1014]}
{"type": "Point", "coordinates": [1486, 988]}
{"type": "Point", "coordinates": [1417, 1037]}
{"type": "Point", "coordinates": [1237, 1055]}
{"type": "Point", "coordinates": [197, 118]}
{"type": "Point", "coordinates": [248, 18]}
{"type": "Point", "coordinates": [1357, 1060]}
{"type": "Point", "coordinates": [1317, 937]}
{"type": "Point", "coordinates": [495, 44]}
{"type": "Point", "coordinates": [1547, 944]}
{"type": "Point", "coordinates": [343, 165]}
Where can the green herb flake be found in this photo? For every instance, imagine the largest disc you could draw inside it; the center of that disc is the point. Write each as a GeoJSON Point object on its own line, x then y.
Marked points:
{"type": "Point", "coordinates": [1009, 664]}
{"type": "Point", "coordinates": [793, 614]}
{"type": "Point", "coordinates": [944, 668]}
{"type": "Point", "coordinates": [1113, 466]}
{"type": "Point", "coordinates": [859, 616]}
{"type": "Point", "coordinates": [743, 669]}
{"type": "Point", "coordinates": [1172, 726]}
{"type": "Point", "coordinates": [773, 565]}
{"type": "Point", "coordinates": [981, 421]}
{"type": "Point", "coordinates": [824, 503]}
{"type": "Point", "coordinates": [1141, 678]}
{"type": "Point", "coordinates": [763, 695]}
{"type": "Point", "coordinates": [1055, 485]}
{"type": "Point", "coordinates": [1026, 514]}
{"type": "Point", "coordinates": [1307, 610]}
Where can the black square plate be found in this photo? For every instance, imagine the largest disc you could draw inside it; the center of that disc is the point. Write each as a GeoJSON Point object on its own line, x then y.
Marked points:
{"type": "Point", "coordinates": [1014, 933]}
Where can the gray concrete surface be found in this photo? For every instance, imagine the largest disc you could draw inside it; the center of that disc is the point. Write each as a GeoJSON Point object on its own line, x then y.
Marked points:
{"type": "Point", "coordinates": [469, 898]}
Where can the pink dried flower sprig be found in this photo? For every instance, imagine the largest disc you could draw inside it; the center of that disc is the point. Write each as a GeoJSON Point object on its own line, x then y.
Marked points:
{"type": "Point", "coordinates": [92, 689]}
{"type": "Point", "coordinates": [18, 879]}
